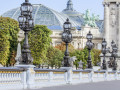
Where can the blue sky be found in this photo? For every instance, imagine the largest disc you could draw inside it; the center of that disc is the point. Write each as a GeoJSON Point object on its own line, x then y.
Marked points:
{"type": "Point", "coordinates": [95, 6]}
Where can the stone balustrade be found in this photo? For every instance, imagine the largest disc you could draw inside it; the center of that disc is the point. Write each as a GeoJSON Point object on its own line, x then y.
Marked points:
{"type": "Point", "coordinates": [17, 78]}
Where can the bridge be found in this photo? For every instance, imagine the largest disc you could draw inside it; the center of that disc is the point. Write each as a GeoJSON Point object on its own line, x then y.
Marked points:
{"type": "Point", "coordinates": [34, 78]}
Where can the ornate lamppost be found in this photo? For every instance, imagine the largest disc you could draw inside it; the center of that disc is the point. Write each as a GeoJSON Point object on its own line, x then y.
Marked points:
{"type": "Point", "coordinates": [26, 24]}
{"type": "Point", "coordinates": [104, 52]}
{"type": "Point", "coordinates": [89, 45]}
{"type": "Point", "coordinates": [67, 38]}
{"type": "Point", "coordinates": [114, 54]}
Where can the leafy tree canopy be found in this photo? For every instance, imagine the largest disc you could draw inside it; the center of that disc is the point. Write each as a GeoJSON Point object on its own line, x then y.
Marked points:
{"type": "Point", "coordinates": [62, 47]}
{"type": "Point", "coordinates": [82, 55]}
{"type": "Point", "coordinates": [9, 29]}
{"type": "Point", "coordinates": [39, 40]}
{"type": "Point", "coordinates": [54, 57]}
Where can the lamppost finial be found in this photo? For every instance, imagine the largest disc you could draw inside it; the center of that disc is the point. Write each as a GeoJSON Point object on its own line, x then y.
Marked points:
{"type": "Point", "coordinates": [26, 0]}
{"type": "Point", "coordinates": [67, 20]}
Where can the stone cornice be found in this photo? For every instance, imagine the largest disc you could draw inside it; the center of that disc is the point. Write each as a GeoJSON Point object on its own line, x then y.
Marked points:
{"type": "Point", "coordinates": [118, 4]}
{"type": "Point", "coordinates": [106, 4]}
{"type": "Point", "coordinates": [111, 0]}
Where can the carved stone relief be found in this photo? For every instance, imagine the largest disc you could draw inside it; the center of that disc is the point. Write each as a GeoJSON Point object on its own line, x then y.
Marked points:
{"type": "Point", "coordinates": [113, 16]}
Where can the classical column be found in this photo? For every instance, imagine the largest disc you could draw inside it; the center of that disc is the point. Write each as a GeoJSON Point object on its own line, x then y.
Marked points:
{"type": "Point", "coordinates": [106, 22]}
{"type": "Point", "coordinates": [118, 27]}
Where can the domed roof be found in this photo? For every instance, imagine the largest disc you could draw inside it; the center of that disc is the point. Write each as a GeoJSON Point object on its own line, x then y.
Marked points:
{"type": "Point", "coordinates": [43, 15]}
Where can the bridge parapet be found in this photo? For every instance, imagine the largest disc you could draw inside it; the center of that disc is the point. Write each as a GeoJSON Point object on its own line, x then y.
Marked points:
{"type": "Point", "coordinates": [16, 78]}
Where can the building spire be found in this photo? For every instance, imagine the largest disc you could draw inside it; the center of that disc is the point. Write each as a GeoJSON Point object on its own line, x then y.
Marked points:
{"type": "Point", "coordinates": [69, 5]}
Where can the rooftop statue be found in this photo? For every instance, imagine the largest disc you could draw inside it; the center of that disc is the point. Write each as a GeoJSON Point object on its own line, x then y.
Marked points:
{"type": "Point", "coordinates": [93, 20]}
{"type": "Point", "coordinates": [87, 17]}
{"type": "Point", "coordinates": [90, 21]}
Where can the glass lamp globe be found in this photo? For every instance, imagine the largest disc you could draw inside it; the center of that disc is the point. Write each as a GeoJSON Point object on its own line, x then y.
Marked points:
{"type": "Point", "coordinates": [115, 49]}
{"type": "Point", "coordinates": [26, 8]}
{"type": "Point", "coordinates": [31, 23]}
{"type": "Point", "coordinates": [89, 36]}
{"type": "Point", "coordinates": [31, 9]}
{"type": "Point", "coordinates": [21, 19]}
{"type": "Point", "coordinates": [104, 43]}
{"type": "Point", "coordinates": [70, 36]}
{"type": "Point", "coordinates": [64, 36]}
{"type": "Point", "coordinates": [88, 43]}
{"type": "Point", "coordinates": [67, 25]}
{"type": "Point", "coordinates": [113, 44]}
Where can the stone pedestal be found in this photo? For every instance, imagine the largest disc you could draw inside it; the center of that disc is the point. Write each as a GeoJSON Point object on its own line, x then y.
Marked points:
{"type": "Point", "coordinates": [29, 75]}
{"type": "Point", "coordinates": [91, 72]}
{"type": "Point", "coordinates": [105, 74]}
{"type": "Point", "coordinates": [69, 74]}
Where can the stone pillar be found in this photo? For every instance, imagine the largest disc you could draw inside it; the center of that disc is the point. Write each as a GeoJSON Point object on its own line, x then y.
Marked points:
{"type": "Point", "coordinates": [106, 22]}
{"type": "Point", "coordinates": [69, 74]}
{"type": "Point", "coordinates": [118, 27]}
{"type": "Point", "coordinates": [28, 76]}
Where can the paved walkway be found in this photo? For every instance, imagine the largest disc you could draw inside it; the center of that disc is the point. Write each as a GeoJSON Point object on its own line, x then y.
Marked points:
{"type": "Point", "coordinates": [109, 85]}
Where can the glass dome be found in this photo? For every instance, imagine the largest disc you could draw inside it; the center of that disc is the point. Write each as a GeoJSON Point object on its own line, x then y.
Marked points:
{"type": "Point", "coordinates": [43, 15]}
{"type": "Point", "coordinates": [54, 20]}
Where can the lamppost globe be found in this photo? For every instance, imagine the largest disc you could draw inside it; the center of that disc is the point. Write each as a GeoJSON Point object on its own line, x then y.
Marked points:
{"type": "Point", "coordinates": [21, 19]}
{"type": "Point", "coordinates": [104, 43]}
{"type": "Point", "coordinates": [89, 36]}
{"type": "Point", "coordinates": [31, 23]}
{"type": "Point", "coordinates": [26, 8]}
{"type": "Point", "coordinates": [113, 43]}
{"type": "Point", "coordinates": [67, 25]}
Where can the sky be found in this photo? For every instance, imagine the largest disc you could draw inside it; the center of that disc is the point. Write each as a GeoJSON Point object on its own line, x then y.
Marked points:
{"type": "Point", "coordinates": [95, 6]}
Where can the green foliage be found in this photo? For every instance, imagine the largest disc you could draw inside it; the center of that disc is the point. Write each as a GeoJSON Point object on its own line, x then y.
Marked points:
{"type": "Point", "coordinates": [54, 57]}
{"type": "Point", "coordinates": [62, 47]}
{"type": "Point", "coordinates": [9, 29]}
{"type": "Point", "coordinates": [96, 56]}
{"type": "Point", "coordinates": [12, 58]}
{"type": "Point", "coordinates": [39, 40]}
{"type": "Point", "coordinates": [4, 49]}
{"type": "Point", "coordinates": [83, 55]}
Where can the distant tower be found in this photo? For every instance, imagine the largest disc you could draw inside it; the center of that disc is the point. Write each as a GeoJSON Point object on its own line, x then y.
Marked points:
{"type": "Point", "coordinates": [70, 11]}
{"type": "Point", "coordinates": [112, 21]}
{"type": "Point", "coordinates": [69, 5]}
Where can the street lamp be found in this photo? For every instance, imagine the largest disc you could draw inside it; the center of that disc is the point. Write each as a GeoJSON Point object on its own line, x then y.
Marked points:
{"type": "Point", "coordinates": [67, 38]}
{"type": "Point", "coordinates": [104, 52]}
{"type": "Point", "coordinates": [26, 24]}
{"type": "Point", "coordinates": [114, 54]}
{"type": "Point", "coordinates": [89, 45]}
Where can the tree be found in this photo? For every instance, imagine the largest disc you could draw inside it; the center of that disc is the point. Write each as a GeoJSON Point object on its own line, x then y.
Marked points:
{"type": "Point", "coordinates": [62, 47]}
{"type": "Point", "coordinates": [9, 29]}
{"type": "Point", "coordinates": [96, 56]}
{"type": "Point", "coordinates": [39, 40]}
{"type": "Point", "coordinates": [54, 57]}
{"type": "Point", "coordinates": [82, 55]}
{"type": "Point", "coordinates": [12, 58]}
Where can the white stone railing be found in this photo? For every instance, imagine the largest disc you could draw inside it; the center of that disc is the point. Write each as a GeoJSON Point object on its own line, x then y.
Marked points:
{"type": "Point", "coordinates": [18, 78]}
{"type": "Point", "coordinates": [10, 78]}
